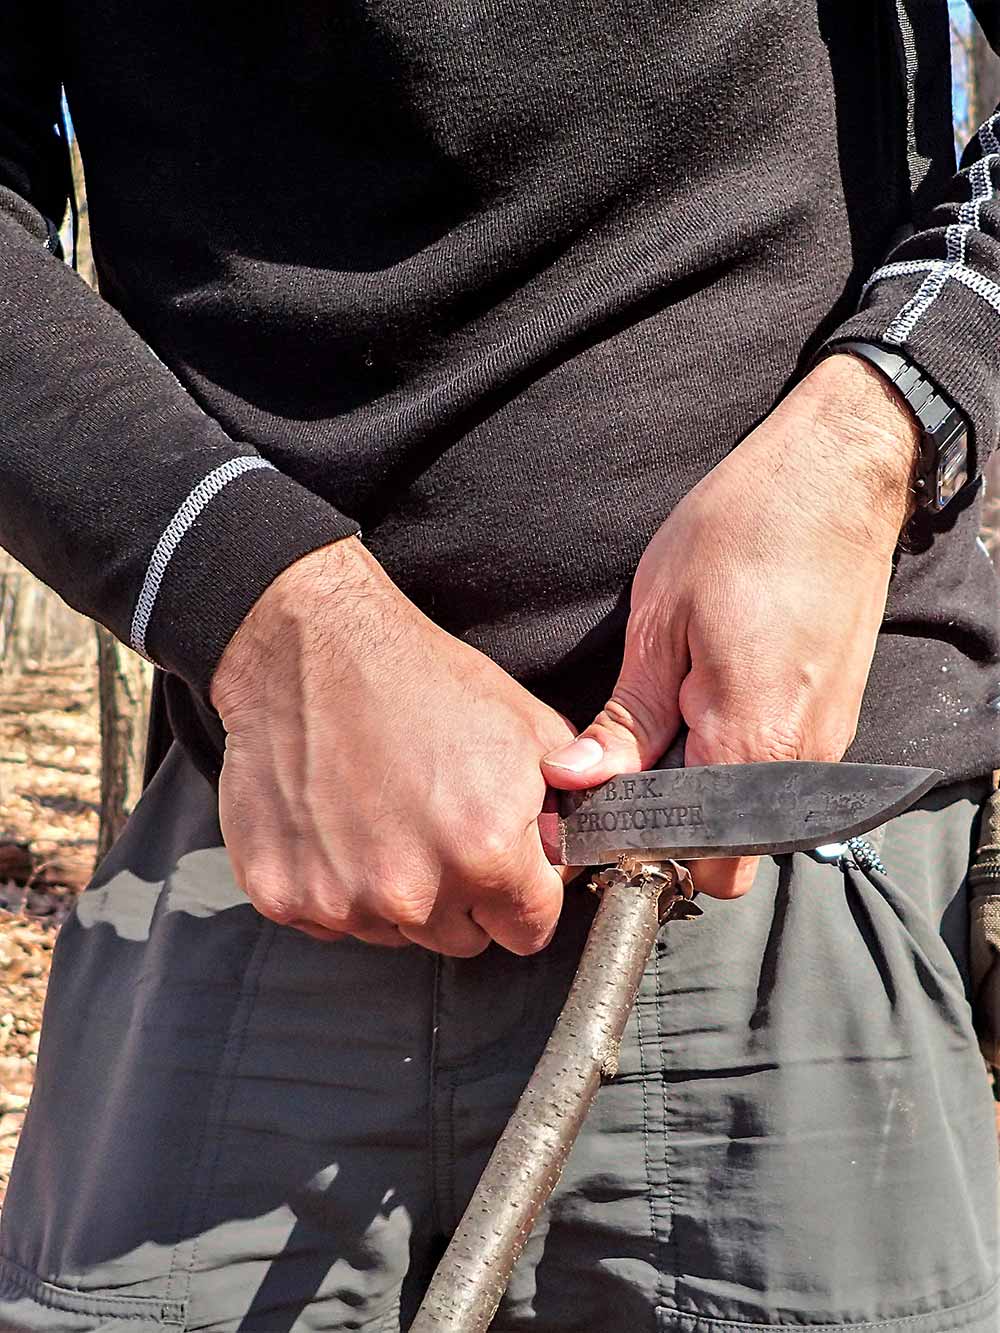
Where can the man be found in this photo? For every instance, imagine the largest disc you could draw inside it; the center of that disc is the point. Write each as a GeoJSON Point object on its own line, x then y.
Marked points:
{"type": "Point", "coordinates": [549, 304]}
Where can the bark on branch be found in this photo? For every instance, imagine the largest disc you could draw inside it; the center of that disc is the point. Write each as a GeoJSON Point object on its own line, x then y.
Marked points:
{"type": "Point", "coordinates": [582, 1050]}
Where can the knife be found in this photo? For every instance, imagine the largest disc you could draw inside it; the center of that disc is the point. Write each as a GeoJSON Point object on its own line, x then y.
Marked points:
{"type": "Point", "coordinates": [640, 825]}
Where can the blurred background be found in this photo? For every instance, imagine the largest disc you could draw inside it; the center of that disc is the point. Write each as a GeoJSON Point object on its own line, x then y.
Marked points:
{"type": "Point", "coordinates": [73, 703]}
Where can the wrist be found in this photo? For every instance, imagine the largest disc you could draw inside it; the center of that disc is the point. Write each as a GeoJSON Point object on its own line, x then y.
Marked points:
{"type": "Point", "coordinates": [286, 612]}
{"type": "Point", "coordinates": [869, 431]}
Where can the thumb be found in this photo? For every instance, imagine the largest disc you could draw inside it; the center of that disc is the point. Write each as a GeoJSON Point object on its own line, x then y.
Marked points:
{"type": "Point", "coordinates": [630, 733]}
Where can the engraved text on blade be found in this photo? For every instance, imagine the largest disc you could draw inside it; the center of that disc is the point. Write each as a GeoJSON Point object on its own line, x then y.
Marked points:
{"type": "Point", "coordinates": [650, 817]}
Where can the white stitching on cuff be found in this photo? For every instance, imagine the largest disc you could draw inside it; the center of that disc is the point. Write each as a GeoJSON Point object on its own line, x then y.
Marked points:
{"type": "Point", "coordinates": [981, 179]}
{"type": "Point", "coordinates": [903, 269]}
{"type": "Point", "coordinates": [206, 490]}
{"type": "Point", "coordinates": [988, 134]}
{"type": "Point", "coordinates": [940, 271]}
{"type": "Point", "coordinates": [930, 289]}
{"type": "Point", "coordinates": [979, 283]}
{"type": "Point", "coordinates": [968, 277]}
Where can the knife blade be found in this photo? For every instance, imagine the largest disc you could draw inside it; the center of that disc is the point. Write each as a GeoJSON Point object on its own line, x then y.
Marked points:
{"type": "Point", "coordinates": [726, 810]}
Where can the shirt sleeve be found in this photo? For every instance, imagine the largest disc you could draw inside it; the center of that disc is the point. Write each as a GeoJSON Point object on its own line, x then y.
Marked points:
{"type": "Point", "coordinates": [116, 489]}
{"type": "Point", "coordinates": [936, 299]}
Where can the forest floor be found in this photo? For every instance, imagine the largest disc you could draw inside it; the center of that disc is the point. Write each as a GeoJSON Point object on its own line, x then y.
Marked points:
{"type": "Point", "coordinates": [49, 788]}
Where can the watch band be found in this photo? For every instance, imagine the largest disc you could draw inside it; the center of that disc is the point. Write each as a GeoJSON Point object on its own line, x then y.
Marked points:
{"type": "Point", "coordinates": [943, 467]}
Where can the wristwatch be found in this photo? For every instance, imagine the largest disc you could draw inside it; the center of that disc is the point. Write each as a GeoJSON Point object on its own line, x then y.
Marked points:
{"type": "Point", "coordinates": [943, 465]}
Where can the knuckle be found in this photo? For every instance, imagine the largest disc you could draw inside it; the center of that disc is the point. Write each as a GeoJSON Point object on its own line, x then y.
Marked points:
{"type": "Point", "coordinates": [496, 857]}
{"type": "Point", "coordinates": [628, 710]}
{"type": "Point", "coordinates": [272, 899]}
{"type": "Point", "coordinates": [403, 905]}
{"type": "Point", "coordinates": [342, 921]}
{"type": "Point", "coordinates": [529, 941]}
{"type": "Point", "coordinates": [279, 900]}
{"type": "Point", "coordinates": [534, 915]}
{"type": "Point", "coordinates": [468, 948]}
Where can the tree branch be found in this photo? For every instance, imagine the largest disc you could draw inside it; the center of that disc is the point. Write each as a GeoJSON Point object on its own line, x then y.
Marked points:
{"type": "Point", "coordinates": [581, 1053]}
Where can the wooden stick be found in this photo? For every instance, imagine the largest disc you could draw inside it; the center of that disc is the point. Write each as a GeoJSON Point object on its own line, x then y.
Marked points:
{"type": "Point", "coordinates": [581, 1053]}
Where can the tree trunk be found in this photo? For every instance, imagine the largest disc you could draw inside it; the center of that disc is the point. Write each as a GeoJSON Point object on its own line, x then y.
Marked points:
{"type": "Point", "coordinates": [12, 650]}
{"type": "Point", "coordinates": [124, 695]}
{"type": "Point", "coordinates": [84, 252]}
{"type": "Point", "coordinates": [37, 598]}
{"type": "Point", "coordinates": [25, 621]}
{"type": "Point", "coordinates": [985, 78]}
{"type": "Point", "coordinates": [123, 678]}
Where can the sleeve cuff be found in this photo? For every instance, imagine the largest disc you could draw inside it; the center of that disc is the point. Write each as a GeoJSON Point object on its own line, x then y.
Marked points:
{"type": "Point", "coordinates": [238, 528]}
{"type": "Point", "coordinates": [954, 343]}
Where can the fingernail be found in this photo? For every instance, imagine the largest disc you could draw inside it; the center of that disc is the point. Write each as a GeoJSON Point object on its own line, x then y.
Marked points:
{"type": "Point", "coordinates": [578, 755]}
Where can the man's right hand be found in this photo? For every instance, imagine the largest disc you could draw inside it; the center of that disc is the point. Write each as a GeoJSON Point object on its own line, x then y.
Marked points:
{"type": "Point", "coordinates": [382, 779]}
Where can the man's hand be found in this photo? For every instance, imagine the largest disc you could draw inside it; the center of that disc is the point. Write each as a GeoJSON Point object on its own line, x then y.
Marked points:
{"type": "Point", "coordinates": [381, 778]}
{"type": "Point", "coordinates": [756, 606]}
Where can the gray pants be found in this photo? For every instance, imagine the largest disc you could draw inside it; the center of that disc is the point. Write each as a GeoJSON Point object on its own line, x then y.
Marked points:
{"type": "Point", "coordinates": [237, 1129]}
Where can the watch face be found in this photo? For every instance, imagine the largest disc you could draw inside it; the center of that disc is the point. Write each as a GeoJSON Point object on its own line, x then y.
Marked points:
{"type": "Point", "coordinates": [952, 470]}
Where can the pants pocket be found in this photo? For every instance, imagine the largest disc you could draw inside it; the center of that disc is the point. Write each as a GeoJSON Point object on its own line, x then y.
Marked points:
{"type": "Point", "coordinates": [28, 1304]}
{"type": "Point", "coordinates": [824, 1137]}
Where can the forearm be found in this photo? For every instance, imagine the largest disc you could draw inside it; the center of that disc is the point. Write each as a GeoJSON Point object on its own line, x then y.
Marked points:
{"type": "Point", "coordinates": [116, 489]}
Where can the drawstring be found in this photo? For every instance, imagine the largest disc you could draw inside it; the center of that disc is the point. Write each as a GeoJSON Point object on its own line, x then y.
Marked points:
{"type": "Point", "coordinates": [984, 923]}
{"type": "Point", "coordinates": [985, 868]}
{"type": "Point", "coordinates": [864, 855]}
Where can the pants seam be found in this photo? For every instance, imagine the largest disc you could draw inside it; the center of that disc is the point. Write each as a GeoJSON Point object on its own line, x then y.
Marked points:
{"type": "Point", "coordinates": [452, 1161]}
{"type": "Point", "coordinates": [646, 1073]}
{"type": "Point", "coordinates": [670, 1266]}
{"type": "Point", "coordinates": [212, 1136]}
{"type": "Point", "coordinates": [433, 1153]}
{"type": "Point", "coordinates": [909, 1322]}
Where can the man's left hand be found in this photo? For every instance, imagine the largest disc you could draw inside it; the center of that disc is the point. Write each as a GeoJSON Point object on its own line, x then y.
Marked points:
{"type": "Point", "coordinates": [756, 606]}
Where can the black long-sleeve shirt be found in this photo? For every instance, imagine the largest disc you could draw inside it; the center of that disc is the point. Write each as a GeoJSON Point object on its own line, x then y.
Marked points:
{"type": "Point", "coordinates": [497, 283]}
